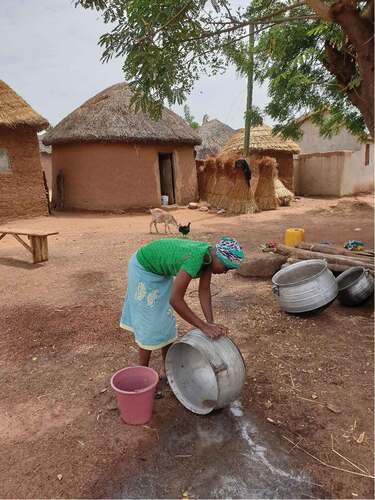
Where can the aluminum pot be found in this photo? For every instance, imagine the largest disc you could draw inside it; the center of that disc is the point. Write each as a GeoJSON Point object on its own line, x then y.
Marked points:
{"type": "Point", "coordinates": [205, 374]}
{"type": "Point", "coordinates": [355, 286]}
{"type": "Point", "coordinates": [305, 286]}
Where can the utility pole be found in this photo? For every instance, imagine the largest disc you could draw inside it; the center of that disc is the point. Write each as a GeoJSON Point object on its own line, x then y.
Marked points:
{"type": "Point", "coordinates": [249, 99]}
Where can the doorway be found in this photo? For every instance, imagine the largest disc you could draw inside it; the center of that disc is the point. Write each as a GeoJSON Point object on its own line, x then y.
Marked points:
{"type": "Point", "coordinates": [167, 177]}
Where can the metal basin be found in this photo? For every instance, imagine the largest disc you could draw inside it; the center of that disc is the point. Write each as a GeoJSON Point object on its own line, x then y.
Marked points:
{"type": "Point", "coordinates": [355, 286]}
{"type": "Point", "coordinates": [205, 374]}
{"type": "Point", "coordinates": [305, 286]}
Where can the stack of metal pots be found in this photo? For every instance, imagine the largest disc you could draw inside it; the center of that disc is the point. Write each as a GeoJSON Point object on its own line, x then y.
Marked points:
{"type": "Point", "coordinates": [309, 286]}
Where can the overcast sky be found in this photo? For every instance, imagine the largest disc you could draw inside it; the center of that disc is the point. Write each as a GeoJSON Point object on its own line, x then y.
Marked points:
{"type": "Point", "coordinates": [50, 56]}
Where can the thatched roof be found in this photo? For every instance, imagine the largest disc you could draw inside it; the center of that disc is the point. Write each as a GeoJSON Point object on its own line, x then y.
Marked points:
{"type": "Point", "coordinates": [14, 111]}
{"type": "Point", "coordinates": [214, 134]}
{"type": "Point", "coordinates": [261, 140]}
{"type": "Point", "coordinates": [106, 117]}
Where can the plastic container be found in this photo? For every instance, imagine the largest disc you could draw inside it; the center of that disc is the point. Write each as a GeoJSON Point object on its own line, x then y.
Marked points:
{"type": "Point", "coordinates": [165, 200]}
{"type": "Point", "coordinates": [293, 236]}
{"type": "Point", "coordinates": [135, 390]}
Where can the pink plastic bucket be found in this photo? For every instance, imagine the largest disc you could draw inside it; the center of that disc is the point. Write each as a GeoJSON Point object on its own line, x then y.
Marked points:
{"type": "Point", "coordinates": [135, 390]}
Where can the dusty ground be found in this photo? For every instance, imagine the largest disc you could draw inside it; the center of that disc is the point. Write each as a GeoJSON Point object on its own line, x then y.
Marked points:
{"type": "Point", "coordinates": [60, 343]}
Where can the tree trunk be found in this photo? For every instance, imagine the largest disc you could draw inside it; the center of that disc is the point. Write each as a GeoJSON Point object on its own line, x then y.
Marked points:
{"type": "Point", "coordinates": [333, 259]}
{"type": "Point", "coordinates": [357, 57]}
{"type": "Point", "coordinates": [319, 247]}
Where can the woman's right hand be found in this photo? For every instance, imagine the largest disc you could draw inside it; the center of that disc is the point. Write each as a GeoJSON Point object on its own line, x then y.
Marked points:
{"type": "Point", "coordinates": [214, 331]}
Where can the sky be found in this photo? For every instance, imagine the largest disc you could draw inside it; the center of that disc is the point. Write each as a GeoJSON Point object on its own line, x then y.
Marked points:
{"type": "Point", "coordinates": [49, 55]}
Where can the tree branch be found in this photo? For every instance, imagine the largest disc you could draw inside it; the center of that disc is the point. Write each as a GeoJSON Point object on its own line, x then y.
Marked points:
{"type": "Point", "coordinates": [162, 28]}
{"type": "Point", "coordinates": [235, 27]}
{"type": "Point", "coordinates": [321, 9]}
{"type": "Point", "coordinates": [210, 34]}
{"type": "Point", "coordinates": [341, 65]}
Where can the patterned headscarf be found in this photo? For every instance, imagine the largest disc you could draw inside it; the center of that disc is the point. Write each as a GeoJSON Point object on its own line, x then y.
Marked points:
{"type": "Point", "coordinates": [230, 253]}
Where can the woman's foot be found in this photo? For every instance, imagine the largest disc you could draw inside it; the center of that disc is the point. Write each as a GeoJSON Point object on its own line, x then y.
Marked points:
{"type": "Point", "coordinates": [161, 386]}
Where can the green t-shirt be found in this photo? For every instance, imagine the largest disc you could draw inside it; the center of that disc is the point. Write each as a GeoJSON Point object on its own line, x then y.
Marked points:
{"type": "Point", "coordinates": [167, 256]}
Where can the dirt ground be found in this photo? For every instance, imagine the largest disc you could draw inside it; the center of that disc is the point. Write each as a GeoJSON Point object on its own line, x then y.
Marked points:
{"type": "Point", "coordinates": [309, 380]}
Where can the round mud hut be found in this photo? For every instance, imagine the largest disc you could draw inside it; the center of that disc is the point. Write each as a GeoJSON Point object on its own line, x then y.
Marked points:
{"type": "Point", "coordinates": [21, 180]}
{"type": "Point", "coordinates": [264, 143]}
{"type": "Point", "coordinates": [214, 134]}
{"type": "Point", "coordinates": [106, 156]}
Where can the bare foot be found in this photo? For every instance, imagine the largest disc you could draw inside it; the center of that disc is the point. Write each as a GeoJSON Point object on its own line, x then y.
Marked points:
{"type": "Point", "coordinates": [162, 385]}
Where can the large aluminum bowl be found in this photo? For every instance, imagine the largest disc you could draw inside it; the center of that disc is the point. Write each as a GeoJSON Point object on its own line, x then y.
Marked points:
{"type": "Point", "coordinates": [205, 374]}
{"type": "Point", "coordinates": [305, 286]}
{"type": "Point", "coordinates": [355, 286]}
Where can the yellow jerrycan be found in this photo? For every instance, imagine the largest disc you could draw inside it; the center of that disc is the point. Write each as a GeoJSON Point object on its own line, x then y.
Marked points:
{"type": "Point", "coordinates": [293, 236]}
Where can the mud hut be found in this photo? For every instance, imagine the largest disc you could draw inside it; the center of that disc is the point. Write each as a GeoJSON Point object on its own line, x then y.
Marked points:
{"type": "Point", "coordinates": [214, 135]}
{"type": "Point", "coordinates": [111, 157]}
{"type": "Point", "coordinates": [21, 180]}
{"type": "Point", "coordinates": [46, 159]}
{"type": "Point", "coordinates": [264, 143]}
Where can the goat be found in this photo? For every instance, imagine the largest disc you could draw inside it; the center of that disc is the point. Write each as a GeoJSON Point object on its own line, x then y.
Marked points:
{"type": "Point", "coordinates": [159, 216]}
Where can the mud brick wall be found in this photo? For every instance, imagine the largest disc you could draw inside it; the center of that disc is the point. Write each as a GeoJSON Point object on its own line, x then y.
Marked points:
{"type": "Point", "coordinates": [21, 187]}
{"type": "Point", "coordinates": [102, 176]}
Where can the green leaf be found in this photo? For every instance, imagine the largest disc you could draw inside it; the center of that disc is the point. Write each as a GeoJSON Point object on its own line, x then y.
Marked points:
{"type": "Point", "coordinates": [165, 46]}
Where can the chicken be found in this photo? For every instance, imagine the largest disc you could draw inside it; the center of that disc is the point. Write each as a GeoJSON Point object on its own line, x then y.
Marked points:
{"type": "Point", "coordinates": [184, 230]}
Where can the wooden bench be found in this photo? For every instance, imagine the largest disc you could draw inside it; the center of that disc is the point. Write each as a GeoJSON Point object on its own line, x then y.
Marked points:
{"type": "Point", "coordinates": [38, 241]}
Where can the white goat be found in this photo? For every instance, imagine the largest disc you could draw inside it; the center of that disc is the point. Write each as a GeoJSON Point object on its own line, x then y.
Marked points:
{"type": "Point", "coordinates": [159, 216]}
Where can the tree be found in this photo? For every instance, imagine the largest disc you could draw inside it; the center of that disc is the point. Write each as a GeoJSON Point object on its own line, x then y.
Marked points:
{"type": "Point", "coordinates": [322, 65]}
{"type": "Point", "coordinates": [189, 118]}
{"type": "Point", "coordinates": [316, 55]}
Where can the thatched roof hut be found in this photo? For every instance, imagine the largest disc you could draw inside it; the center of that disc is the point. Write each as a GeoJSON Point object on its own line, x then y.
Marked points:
{"type": "Point", "coordinates": [112, 157]}
{"type": "Point", "coordinates": [21, 183]}
{"type": "Point", "coordinates": [214, 134]}
{"type": "Point", "coordinates": [15, 112]}
{"type": "Point", "coordinates": [107, 117]}
{"type": "Point", "coordinates": [264, 143]}
{"type": "Point", "coordinates": [261, 140]}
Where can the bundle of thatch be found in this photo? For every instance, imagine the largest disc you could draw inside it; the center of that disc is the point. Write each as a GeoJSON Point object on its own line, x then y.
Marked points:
{"type": "Point", "coordinates": [240, 198]}
{"type": "Point", "coordinates": [226, 184]}
{"type": "Point", "coordinates": [221, 186]}
{"type": "Point", "coordinates": [210, 172]}
{"type": "Point", "coordinates": [284, 196]}
{"type": "Point", "coordinates": [263, 142]}
{"type": "Point", "coordinates": [265, 194]}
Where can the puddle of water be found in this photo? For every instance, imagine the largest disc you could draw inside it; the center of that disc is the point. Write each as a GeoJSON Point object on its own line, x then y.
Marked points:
{"type": "Point", "coordinates": [260, 452]}
{"type": "Point", "coordinates": [227, 454]}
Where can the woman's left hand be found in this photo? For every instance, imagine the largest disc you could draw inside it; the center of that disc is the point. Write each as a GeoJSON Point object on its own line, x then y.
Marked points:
{"type": "Point", "coordinates": [214, 331]}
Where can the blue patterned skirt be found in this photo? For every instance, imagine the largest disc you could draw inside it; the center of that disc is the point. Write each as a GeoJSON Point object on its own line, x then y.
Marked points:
{"type": "Point", "coordinates": [147, 312]}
